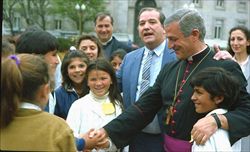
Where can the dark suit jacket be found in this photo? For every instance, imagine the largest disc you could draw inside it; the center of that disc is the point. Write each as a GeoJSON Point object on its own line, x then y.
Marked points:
{"type": "Point", "coordinates": [113, 45]}
{"type": "Point", "coordinates": [129, 72]}
{"type": "Point", "coordinates": [122, 129]}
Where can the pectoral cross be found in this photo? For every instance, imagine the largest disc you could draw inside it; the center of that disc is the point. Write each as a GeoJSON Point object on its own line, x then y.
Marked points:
{"type": "Point", "coordinates": [169, 114]}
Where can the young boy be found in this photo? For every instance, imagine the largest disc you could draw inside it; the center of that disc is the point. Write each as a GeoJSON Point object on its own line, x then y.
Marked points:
{"type": "Point", "coordinates": [215, 90]}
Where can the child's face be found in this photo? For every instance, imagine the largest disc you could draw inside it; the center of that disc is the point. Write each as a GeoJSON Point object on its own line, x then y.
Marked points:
{"type": "Point", "coordinates": [116, 62]}
{"type": "Point", "coordinates": [89, 48]}
{"type": "Point", "coordinates": [99, 82]}
{"type": "Point", "coordinates": [202, 100]}
{"type": "Point", "coordinates": [76, 70]}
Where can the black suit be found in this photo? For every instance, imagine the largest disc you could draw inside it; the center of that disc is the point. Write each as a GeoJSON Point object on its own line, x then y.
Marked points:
{"type": "Point", "coordinates": [113, 45]}
{"type": "Point", "coordinates": [123, 128]}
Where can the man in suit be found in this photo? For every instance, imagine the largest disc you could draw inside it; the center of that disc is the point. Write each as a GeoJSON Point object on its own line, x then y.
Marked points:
{"type": "Point", "coordinates": [104, 31]}
{"type": "Point", "coordinates": [185, 30]}
{"type": "Point", "coordinates": [151, 32]}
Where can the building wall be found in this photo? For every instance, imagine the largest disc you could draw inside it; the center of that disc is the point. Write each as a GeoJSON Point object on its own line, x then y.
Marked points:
{"type": "Point", "coordinates": [123, 12]}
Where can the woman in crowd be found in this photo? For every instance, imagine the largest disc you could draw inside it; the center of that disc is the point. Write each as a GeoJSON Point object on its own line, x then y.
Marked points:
{"type": "Point", "coordinates": [90, 45]}
{"type": "Point", "coordinates": [239, 47]}
{"type": "Point", "coordinates": [73, 87]}
{"type": "Point", "coordinates": [101, 105]}
{"type": "Point", "coordinates": [25, 85]}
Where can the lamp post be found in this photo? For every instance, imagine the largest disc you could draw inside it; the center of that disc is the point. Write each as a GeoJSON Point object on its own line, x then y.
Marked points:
{"type": "Point", "coordinates": [80, 9]}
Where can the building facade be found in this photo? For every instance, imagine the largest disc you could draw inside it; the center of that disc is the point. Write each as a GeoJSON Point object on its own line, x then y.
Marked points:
{"type": "Point", "coordinates": [220, 16]}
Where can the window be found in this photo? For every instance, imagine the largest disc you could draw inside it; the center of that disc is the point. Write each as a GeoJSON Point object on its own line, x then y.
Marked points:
{"type": "Point", "coordinates": [17, 22]}
{"type": "Point", "coordinates": [241, 23]}
{"type": "Point", "coordinates": [220, 3]}
{"type": "Point", "coordinates": [197, 3]}
{"type": "Point", "coordinates": [58, 24]}
{"type": "Point", "coordinates": [218, 28]}
{"type": "Point", "coordinates": [242, 6]}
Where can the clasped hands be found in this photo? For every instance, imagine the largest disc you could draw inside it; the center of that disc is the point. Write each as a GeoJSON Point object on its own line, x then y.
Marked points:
{"type": "Point", "coordinates": [95, 139]}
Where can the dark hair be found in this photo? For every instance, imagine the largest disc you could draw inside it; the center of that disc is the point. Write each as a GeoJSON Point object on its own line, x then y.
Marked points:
{"type": "Point", "coordinates": [21, 77]}
{"type": "Point", "coordinates": [162, 16]}
{"type": "Point", "coordinates": [67, 82]}
{"type": "Point", "coordinates": [218, 82]}
{"type": "Point", "coordinates": [93, 39]}
{"type": "Point", "coordinates": [37, 42]}
{"type": "Point", "coordinates": [119, 52]}
{"type": "Point", "coordinates": [246, 33]}
{"type": "Point", "coordinates": [103, 65]}
{"type": "Point", "coordinates": [102, 15]}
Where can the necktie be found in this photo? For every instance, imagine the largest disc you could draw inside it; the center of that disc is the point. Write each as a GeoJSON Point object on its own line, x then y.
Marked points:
{"type": "Point", "coordinates": [146, 72]}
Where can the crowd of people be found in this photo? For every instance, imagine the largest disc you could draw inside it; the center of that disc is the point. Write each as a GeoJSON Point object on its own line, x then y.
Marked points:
{"type": "Point", "coordinates": [173, 94]}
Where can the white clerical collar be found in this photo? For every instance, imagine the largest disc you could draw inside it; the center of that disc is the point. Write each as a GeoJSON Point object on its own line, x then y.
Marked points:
{"type": "Point", "coordinates": [105, 43]}
{"type": "Point", "coordinates": [26, 105]}
{"type": "Point", "coordinates": [191, 57]}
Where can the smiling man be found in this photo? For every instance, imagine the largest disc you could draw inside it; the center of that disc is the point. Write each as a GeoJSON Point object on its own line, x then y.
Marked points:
{"type": "Point", "coordinates": [104, 31]}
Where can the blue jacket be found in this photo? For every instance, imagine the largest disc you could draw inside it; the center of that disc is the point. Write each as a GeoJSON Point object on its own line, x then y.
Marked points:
{"type": "Point", "coordinates": [64, 100]}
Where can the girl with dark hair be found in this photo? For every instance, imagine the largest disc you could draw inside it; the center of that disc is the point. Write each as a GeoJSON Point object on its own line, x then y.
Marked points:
{"type": "Point", "coordinates": [25, 86]}
{"type": "Point", "coordinates": [74, 86]}
{"type": "Point", "coordinates": [101, 105]}
{"type": "Point", "coordinates": [116, 58]}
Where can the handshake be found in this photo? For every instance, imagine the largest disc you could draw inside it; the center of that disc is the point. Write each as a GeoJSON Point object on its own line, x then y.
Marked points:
{"type": "Point", "coordinates": [96, 139]}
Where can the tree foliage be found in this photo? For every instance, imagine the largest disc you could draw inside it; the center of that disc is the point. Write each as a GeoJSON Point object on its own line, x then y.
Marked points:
{"type": "Point", "coordinates": [36, 12]}
{"type": "Point", "coordinates": [67, 9]}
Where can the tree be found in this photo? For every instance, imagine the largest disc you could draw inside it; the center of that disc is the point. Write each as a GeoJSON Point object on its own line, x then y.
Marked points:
{"type": "Point", "coordinates": [8, 13]}
{"type": "Point", "coordinates": [67, 9]}
{"type": "Point", "coordinates": [34, 11]}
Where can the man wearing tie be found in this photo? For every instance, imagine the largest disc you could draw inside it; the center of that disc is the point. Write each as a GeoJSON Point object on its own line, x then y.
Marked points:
{"type": "Point", "coordinates": [139, 71]}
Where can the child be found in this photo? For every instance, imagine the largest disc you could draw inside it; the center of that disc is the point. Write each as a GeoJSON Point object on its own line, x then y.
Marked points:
{"type": "Point", "coordinates": [25, 91]}
{"type": "Point", "coordinates": [73, 87]}
{"type": "Point", "coordinates": [215, 90]}
{"type": "Point", "coordinates": [101, 105]}
{"type": "Point", "coordinates": [40, 42]}
{"type": "Point", "coordinates": [116, 58]}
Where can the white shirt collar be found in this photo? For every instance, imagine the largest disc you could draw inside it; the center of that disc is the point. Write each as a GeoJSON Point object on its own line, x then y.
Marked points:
{"type": "Point", "coordinates": [105, 43]}
{"type": "Point", "coordinates": [26, 105]}
{"type": "Point", "coordinates": [158, 50]}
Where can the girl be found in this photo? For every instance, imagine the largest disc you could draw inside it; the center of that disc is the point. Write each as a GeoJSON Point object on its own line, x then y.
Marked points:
{"type": "Point", "coordinates": [73, 87]}
{"type": "Point", "coordinates": [101, 105]}
{"type": "Point", "coordinates": [116, 58]}
{"type": "Point", "coordinates": [90, 45]}
{"type": "Point", "coordinates": [25, 86]}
